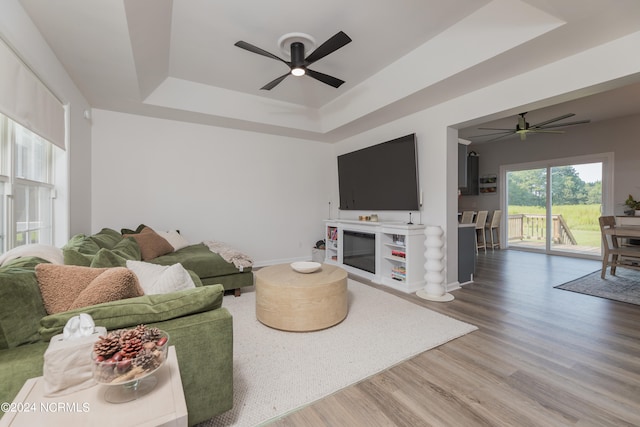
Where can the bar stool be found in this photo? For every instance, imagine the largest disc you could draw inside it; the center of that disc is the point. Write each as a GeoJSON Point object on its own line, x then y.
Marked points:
{"type": "Point", "coordinates": [481, 240]}
{"type": "Point", "coordinates": [493, 227]}
{"type": "Point", "coordinates": [467, 217]}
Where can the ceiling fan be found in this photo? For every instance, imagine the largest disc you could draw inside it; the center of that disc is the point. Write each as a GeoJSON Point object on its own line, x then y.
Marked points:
{"type": "Point", "coordinates": [523, 128]}
{"type": "Point", "coordinates": [298, 66]}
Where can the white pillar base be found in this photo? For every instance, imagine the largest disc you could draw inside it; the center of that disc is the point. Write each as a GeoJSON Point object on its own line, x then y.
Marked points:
{"type": "Point", "coordinates": [439, 298]}
{"type": "Point", "coordinates": [434, 290]}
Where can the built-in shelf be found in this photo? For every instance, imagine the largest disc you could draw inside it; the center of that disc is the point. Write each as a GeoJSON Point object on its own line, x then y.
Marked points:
{"type": "Point", "coordinates": [488, 184]}
{"type": "Point", "coordinates": [399, 251]}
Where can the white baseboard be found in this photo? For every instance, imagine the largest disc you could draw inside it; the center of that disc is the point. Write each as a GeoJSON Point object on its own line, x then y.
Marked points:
{"type": "Point", "coordinates": [266, 263]}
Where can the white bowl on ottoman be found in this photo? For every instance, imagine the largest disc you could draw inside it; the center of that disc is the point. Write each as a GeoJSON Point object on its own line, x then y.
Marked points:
{"type": "Point", "coordinates": [306, 266]}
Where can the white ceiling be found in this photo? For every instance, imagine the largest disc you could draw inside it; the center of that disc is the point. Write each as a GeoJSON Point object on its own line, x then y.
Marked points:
{"type": "Point", "coordinates": [176, 58]}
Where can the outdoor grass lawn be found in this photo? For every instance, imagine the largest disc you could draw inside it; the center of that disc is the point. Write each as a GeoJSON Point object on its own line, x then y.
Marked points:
{"type": "Point", "coordinates": [581, 219]}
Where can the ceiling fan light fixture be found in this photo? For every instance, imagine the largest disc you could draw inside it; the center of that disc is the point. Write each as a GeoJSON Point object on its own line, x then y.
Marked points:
{"type": "Point", "coordinates": [298, 71]}
{"type": "Point", "coordinates": [299, 63]}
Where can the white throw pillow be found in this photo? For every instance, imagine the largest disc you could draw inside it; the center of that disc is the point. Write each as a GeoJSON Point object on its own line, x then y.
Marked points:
{"type": "Point", "coordinates": [161, 279]}
{"type": "Point", "coordinates": [174, 238]}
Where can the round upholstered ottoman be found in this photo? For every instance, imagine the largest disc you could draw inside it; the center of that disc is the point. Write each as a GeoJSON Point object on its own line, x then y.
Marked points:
{"type": "Point", "coordinates": [293, 301]}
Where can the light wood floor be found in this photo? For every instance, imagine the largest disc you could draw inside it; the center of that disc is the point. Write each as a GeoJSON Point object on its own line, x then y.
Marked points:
{"type": "Point", "coordinates": [541, 357]}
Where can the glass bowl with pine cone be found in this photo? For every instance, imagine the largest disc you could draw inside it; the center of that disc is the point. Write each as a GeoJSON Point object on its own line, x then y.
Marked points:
{"type": "Point", "coordinates": [128, 355]}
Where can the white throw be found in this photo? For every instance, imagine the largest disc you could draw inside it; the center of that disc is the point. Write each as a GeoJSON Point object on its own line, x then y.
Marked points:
{"type": "Point", "coordinates": [229, 254]}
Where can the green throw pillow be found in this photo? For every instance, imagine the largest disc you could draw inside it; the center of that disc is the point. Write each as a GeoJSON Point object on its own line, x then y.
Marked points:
{"type": "Point", "coordinates": [126, 249]}
{"type": "Point", "coordinates": [106, 238]}
{"type": "Point", "coordinates": [136, 231]}
{"type": "Point", "coordinates": [21, 307]}
{"type": "Point", "coordinates": [117, 257]}
{"type": "Point", "coordinates": [74, 257]}
{"type": "Point", "coordinates": [83, 244]}
{"type": "Point", "coordinates": [140, 310]}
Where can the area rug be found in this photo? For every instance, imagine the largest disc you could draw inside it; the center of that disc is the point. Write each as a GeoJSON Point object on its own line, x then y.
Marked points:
{"type": "Point", "coordinates": [276, 372]}
{"type": "Point", "coordinates": [624, 286]}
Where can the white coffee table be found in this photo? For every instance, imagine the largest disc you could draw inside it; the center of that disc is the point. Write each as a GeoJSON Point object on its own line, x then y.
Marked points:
{"type": "Point", "coordinates": [163, 406]}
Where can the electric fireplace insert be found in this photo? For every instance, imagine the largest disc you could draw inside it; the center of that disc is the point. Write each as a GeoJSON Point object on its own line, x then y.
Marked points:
{"type": "Point", "coordinates": [359, 250]}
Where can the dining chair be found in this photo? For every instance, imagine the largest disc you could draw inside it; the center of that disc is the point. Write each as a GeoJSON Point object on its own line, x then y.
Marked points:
{"type": "Point", "coordinates": [481, 239]}
{"type": "Point", "coordinates": [467, 217]}
{"type": "Point", "coordinates": [493, 228]}
{"type": "Point", "coordinates": [614, 255]}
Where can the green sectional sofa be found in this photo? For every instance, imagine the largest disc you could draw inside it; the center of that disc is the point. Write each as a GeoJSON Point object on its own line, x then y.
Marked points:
{"type": "Point", "coordinates": [198, 326]}
{"type": "Point", "coordinates": [109, 248]}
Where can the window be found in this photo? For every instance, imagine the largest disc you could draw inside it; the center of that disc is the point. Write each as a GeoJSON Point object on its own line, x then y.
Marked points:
{"type": "Point", "coordinates": [26, 171]}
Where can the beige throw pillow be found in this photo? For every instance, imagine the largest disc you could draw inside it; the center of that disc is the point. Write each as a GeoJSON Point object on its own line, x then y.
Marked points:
{"type": "Point", "coordinates": [64, 287]}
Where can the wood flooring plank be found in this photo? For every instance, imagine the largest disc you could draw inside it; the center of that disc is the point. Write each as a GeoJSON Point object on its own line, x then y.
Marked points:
{"type": "Point", "coordinates": [541, 357]}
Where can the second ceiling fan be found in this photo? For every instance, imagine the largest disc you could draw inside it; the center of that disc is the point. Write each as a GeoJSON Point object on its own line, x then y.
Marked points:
{"type": "Point", "coordinates": [298, 66]}
{"type": "Point", "coordinates": [523, 127]}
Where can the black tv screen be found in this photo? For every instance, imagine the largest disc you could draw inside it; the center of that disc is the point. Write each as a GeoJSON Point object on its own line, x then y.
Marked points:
{"type": "Point", "coordinates": [380, 177]}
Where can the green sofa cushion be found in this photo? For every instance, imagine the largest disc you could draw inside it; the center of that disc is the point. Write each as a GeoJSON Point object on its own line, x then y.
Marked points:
{"type": "Point", "coordinates": [126, 249]}
{"type": "Point", "coordinates": [22, 306]}
{"type": "Point", "coordinates": [18, 365]}
{"type": "Point", "coordinates": [199, 259]}
{"type": "Point", "coordinates": [83, 244]}
{"type": "Point", "coordinates": [145, 309]}
{"type": "Point", "coordinates": [117, 256]}
{"type": "Point", "coordinates": [106, 238]}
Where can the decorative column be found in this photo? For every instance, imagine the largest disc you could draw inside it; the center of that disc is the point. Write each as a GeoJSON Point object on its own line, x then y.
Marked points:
{"type": "Point", "coordinates": [434, 289]}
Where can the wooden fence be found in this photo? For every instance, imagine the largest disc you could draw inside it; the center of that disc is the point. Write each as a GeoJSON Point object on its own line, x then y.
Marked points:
{"type": "Point", "coordinates": [534, 227]}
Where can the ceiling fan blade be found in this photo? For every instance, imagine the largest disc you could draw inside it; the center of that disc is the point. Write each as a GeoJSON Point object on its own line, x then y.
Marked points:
{"type": "Point", "coordinates": [544, 131]}
{"type": "Point", "coordinates": [499, 137]}
{"type": "Point", "coordinates": [546, 122]}
{"type": "Point", "coordinates": [334, 43]}
{"type": "Point", "coordinates": [324, 78]}
{"type": "Point", "coordinates": [255, 49]}
{"type": "Point", "coordinates": [492, 134]}
{"type": "Point", "coordinates": [274, 83]}
{"type": "Point", "coordinates": [510, 130]}
{"type": "Point", "coordinates": [579, 122]}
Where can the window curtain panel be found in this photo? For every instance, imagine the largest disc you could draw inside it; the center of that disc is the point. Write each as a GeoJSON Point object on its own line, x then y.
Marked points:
{"type": "Point", "coordinates": [26, 100]}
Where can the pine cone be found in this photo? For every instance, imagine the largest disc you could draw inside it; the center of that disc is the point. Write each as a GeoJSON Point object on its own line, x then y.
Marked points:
{"type": "Point", "coordinates": [146, 360]}
{"type": "Point", "coordinates": [128, 335]}
{"type": "Point", "coordinates": [130, 348]}
{"type": "Point", "coordinates": [151, 335]}
{"type": "Point", "coordinates": [106, 346]}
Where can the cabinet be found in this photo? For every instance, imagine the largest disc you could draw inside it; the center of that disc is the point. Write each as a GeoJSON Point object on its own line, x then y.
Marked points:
{"type": "Point", "coordinates": [473, 168]}
{"type": "Point", "coordinates": [462, 166]}
{"type": "Point", "coordinates": [399, 252]}
{"type": "Point", "coordinates": [466, 252]}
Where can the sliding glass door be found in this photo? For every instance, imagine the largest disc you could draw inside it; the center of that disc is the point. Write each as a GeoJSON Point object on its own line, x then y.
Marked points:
{"type": "Point", "coordinates": [576, 204]}
{"type": "Point", "coordinates": [555, 208]}
{"type": "Point", "coordinates": [527, 208]}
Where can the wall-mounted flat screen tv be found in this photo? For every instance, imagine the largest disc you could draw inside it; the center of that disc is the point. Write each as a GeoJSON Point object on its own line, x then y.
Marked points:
{"type": "Point", "coordinates": [380, 177]}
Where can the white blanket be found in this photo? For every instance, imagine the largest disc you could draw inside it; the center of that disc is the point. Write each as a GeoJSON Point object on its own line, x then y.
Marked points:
{"type": "Point", "coordinates": [229, 254]}
{"type": "Point", "coordinates": [46, 252]}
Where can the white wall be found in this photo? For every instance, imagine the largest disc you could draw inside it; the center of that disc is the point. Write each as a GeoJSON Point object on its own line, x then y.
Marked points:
{"type": "Point", "coordinates": [265, 195]}
{"type": "Point", "coordinates": [618, 136]}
